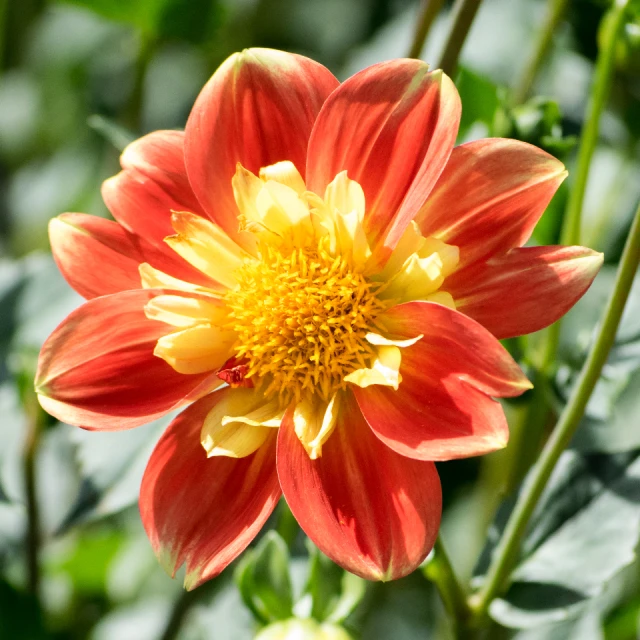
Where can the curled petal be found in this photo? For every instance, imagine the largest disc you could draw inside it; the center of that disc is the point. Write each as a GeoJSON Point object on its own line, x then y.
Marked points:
{"type": "Point", "coordinates": [385, 369]}
{"type": "Point", "coordinates": [392, 128]}
{"type": "Point", "coordinates": [443, 408]}
{"type": "Point", "coordinates": [372, 511]}
{"type": "Point", "coordinates": [490, 196]}
{"type": "Point", "coordinates": [196, 349]}
{"type": "Point", "coordinates": [204, 511]}
{"type": "Point", "coordinates": [525, 290]}
{"type": "Point", "coordinates": [257, 109]}
{"type": "Point", "coordinates": [97, 369]}
{"type": "Point", "coordinates": [314, 421]}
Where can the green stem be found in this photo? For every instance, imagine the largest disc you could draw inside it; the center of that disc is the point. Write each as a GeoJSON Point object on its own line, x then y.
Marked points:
{"type": "Point", "coordinates": [555, 12]}
{"type": "Point", "coordinates": [440, 571]}
{"type": "Point", "coordinates": [572, 220]}
{"type": "Point", "coordinates": [33, 538]}
{"type": "Point", "coordinates": [464, 11]}
{"type": "Point", "coordinates": [613, 22]}
{"type": "Point", "coordinates": [429, 9]}
{"type": "Point", "coordinates": [507, 550]}
{"type": "Point", "coordinates": [176, 618]}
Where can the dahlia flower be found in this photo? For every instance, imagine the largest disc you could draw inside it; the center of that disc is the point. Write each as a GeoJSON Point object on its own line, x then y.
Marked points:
{"type": "Point", "coordinates": [317, 271]}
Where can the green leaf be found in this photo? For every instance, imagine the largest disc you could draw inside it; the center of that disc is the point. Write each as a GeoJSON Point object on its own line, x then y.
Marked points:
{"type": "Point", "coordinates": [264, 581]}
{"type": "Point", "coordinates": [479, 99]}
{"type": "Point", "coordinates": [583, 533]}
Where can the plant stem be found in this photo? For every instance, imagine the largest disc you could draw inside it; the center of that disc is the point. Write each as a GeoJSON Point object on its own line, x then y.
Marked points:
{"type": "Point", "coordinates": [180, 608]}
{"type": "Point", "coordinates": [440, 571]}
{"type": "Point", "coordinates": [570, 234]}
{"type": "Point", "coordinates": [613, 23]}
{"type": "Point", "coordinates": [555, 12]}
{"type": "Point", "coordinates": [33, 535]}
{"type": "Point", "coordinates": [506, 552]}
{"type": "Point", "coordinates": [464, 11]}
{"type": "Point", "coordinates": [429, 9]}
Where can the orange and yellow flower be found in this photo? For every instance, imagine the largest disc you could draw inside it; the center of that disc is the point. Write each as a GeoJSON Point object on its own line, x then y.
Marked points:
{"type": "Point", "coordinates": [318, 270]}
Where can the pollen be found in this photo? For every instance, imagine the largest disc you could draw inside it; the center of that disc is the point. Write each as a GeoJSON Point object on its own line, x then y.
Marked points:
{"type": "Point", "coordinates": [301, 317]}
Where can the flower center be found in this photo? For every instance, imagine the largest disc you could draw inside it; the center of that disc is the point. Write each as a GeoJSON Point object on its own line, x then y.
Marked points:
{"type": "Point", "coordinates": [301, 318]}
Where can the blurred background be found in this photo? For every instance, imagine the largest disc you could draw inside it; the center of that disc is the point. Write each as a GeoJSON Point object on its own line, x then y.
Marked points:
{"type": "Point", "coordinates": [78, 81]}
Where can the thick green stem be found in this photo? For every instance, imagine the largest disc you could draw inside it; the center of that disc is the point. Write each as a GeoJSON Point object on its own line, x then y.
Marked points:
{"type": "Point", "coordinates": [555, 11]}
{"type": "Point", "coordinates": [572, 220]}
{"type": "Point", "coordinates": [613, 23]}
{"type": "Point", "coordinates": [440, 571]}
{"type": "Point", "coordinates": [506, 553]}
{"type": "Point", "coordinates": [463, 12]}
{"type": "Point", "coordinates": [429, 9]}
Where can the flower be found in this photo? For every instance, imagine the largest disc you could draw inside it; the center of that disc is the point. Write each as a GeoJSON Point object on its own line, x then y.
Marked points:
{"type": "Point", "coordinates": [324, 278]}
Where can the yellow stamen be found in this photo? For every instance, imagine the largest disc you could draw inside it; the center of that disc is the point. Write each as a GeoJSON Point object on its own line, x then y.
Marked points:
{"type": "Point", "coordinates": [302, 318]}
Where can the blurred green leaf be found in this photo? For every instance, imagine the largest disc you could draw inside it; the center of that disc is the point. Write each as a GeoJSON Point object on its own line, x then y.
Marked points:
{"type": "Point", "coordinates": [334, 592]}
{"type": "Point", "coordinates": [479, 98]}
{"type": "Point", "coordinates": [264, 581]}
{"type": "Point", "coordinates": [296, 629]}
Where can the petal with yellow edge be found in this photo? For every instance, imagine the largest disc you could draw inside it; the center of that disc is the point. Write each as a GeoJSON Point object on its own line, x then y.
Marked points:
{"type": "Point", "coordinates": [505, 294]}
{"type": "Point", "coordinates": [372, 511]}
{"type": "Point", "coordinates": [97, 369]}
{"type": "Point", "coordinates": [490, 196]}
{"type": "Point", "coordinates": [257, 109]}
{"type": "Point", "coordinates": [392, 126]}
{"type": "Point", "coordinates": [201, 511]}
{"type": "Point", "coordinates": [444, 408]}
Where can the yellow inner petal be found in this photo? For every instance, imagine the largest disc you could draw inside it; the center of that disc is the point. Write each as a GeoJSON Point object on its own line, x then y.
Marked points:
{"type": "Point", "coordinates": [314, 421]}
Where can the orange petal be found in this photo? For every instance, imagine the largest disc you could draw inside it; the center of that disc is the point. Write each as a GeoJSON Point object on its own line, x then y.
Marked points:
{"type": "Point", "coordinates": [96, 256]}
{"type": "Point", "coordinates": [97, 369]}
{"type": "Point", "coordinates": [392, 128]}
{"type": "Point", "coordinates": [257, 109]}
{"type": "Point", "coordinates": [153, 183]}
{"type": "Point", "coordinates": [525, 290]}
{"type": "Point", "coordinates": [443, 408]}
{"type": "Point", "coordinates": [372, 511]}
{"type": "Point", "coordinates": [200, 511]}
{"type": "Point", "coordinates": [490, 197]}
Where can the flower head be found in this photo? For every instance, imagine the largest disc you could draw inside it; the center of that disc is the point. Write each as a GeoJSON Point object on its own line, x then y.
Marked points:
{"type": "Point", "coordinates": [318, 271]}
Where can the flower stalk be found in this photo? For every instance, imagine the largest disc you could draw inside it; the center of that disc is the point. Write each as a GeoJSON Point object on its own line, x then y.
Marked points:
{"type": "Point", "coordinates": [429, 9]}
{"type": "Point", "coordinates": [440, 571]}
{"type": "Point", "coordinates": [555, 12]}
{"type": "Point", "coordinates": [506, 553]}
{"type": "Point", "coordinates": [463, 12]}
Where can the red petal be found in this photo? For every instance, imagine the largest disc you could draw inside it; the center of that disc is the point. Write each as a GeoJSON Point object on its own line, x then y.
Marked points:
{"type": "Point", "coordinates": [153, 183]}
{"type": "Point", "coordinates": [96, 256]}
{"type": "Point", "coordinates": [97, 369]}
{"type": "Point", "coordinates": [204, 511]}
{"type": "Point", "coordinates": [372, 511]}
{"type": "Point", "coordinates": [257, 109]}
{"type": "Point", "coordinates": [525, 290]}
{"type": "Point", "coordinates": [443, 409]}
{"type": "Point", "coordinates": [392, 127]}
{"type": "Point", "coordinates": [490, 196]}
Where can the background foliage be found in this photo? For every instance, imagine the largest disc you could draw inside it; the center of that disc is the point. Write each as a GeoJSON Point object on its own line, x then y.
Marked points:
{"type": "Point", "coordinates": [78, 80]}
